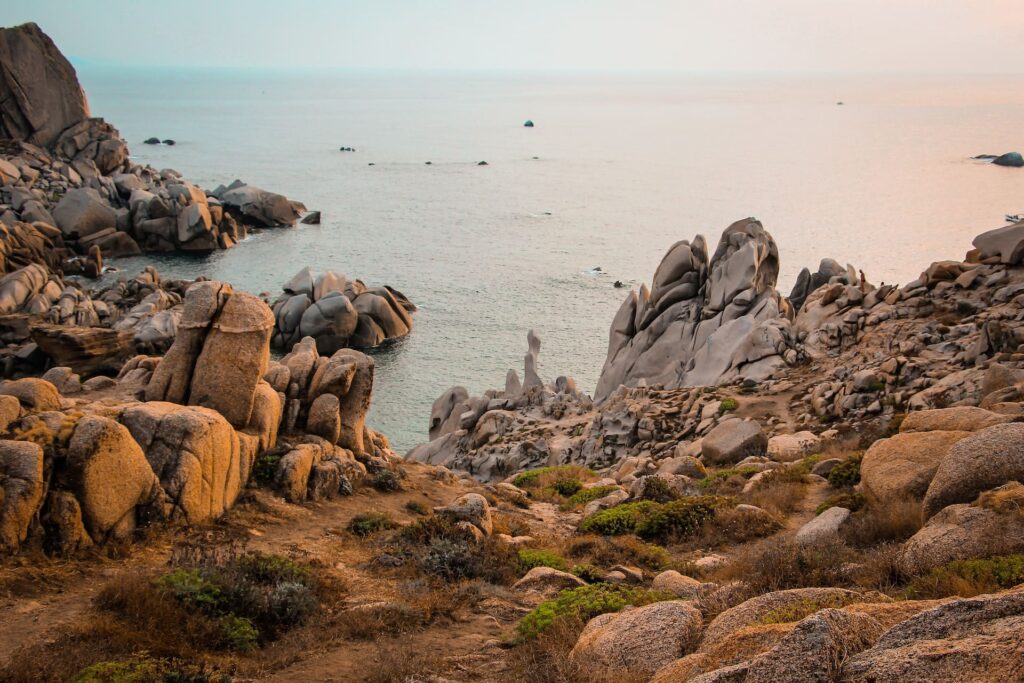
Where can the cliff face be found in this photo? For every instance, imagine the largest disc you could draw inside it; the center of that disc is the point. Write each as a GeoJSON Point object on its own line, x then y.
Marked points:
{"type": "Point", "coordinates": [40, 96]}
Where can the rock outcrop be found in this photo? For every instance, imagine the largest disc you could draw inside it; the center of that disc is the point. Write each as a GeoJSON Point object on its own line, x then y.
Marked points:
{"type": "Point", "coordinates": [39, 92]}
{"type": "Point", "coordinates": [704, 320]}
{"type": "Point", "coordinates": [339, 313]}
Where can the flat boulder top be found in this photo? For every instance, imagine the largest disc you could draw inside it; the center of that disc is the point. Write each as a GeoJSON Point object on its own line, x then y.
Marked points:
{"type": "Point", "coordinates": [40, 95]}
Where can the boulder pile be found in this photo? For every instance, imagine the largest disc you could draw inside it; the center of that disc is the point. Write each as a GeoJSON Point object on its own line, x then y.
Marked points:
{"type": "Point", "coordinates": [67, 178]}
{"type": "Point", "coordinates": [178, 438]}
{"type": "Point", "coordinates": [338, 313]}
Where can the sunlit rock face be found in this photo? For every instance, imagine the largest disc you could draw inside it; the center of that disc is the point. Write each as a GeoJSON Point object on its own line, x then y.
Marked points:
{"type": "Point", "coordinates": [704, 320]}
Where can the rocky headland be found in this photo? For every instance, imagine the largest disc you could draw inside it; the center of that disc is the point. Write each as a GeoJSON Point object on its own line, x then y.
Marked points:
{"type": "Point", "coordinates": [824, 486]}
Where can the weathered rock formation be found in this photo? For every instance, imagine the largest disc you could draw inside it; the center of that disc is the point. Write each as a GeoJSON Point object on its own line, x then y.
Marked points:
{"type": "Point", "coordinates": [704, 320]}
{"type": "Point", "coordinates": [339, 313]}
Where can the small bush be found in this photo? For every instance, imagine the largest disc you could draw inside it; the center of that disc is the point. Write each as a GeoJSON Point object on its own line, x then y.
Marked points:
{"type": "Point", "coordinates": [143, 669]}
{"type": "Point", "coordinates": [658, 489]}
{"type": "Point", "coordinates": [968, 578]}
{"type": "Point", "coordinates": [717, 480]}
{"type": "Point", "coordinates": [585, 603]}
{"type": "Point", "coordinates": [450, 560]}
{"type": "Point", "coordinates": [190, 587]}
{"type": "Point", "coordinates": [846, 474]}
{"type": "Point", "coordinates": [679, 519]}
{"type": "Point", "coordinates": [417, 508]}
{"type": "Point", "coordinates": [530, 558]}
{"type": "Point", "coordinates": [620, 519]}
{"type": "Point", "coordinates": [851, 500]}
{"type": "Point", "coordinates": [547, 476]}
{"type": "Point", "coordinates": [607, 551]}
{"type": "Point", "coordinates": [581, 498]}
{"type": "Point", "coordinates": [567, 487]}
{"type": "Point", "coordinates": [291, 603]}
{"type": "Point", "coordinates": [264, 470]}
{"type": "Point", "coordinates": [730, 525]}
{"type": "Point", "coordinates": [587, 572]}
{"type": "Point", "coordinates": [728, 404]}
{"type": "Point", "coordinates": [387, 481]}
{"type": "Point", "coordinates": [875, 524]}
{"type": "Point", "coordinates": [239, 633]}
{"type": "Point", "coordinates": [367, 523]}
{"type": "Point", "coordinates": [784, 565]}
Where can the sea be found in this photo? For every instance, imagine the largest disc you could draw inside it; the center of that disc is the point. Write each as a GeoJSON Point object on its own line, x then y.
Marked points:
{"type": "Point", "coordinates": [872, 171]}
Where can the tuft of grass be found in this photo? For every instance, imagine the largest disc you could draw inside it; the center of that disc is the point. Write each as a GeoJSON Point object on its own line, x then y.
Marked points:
{"type": "Point", "coordinates": [715, 480]}
{"type": "Point", "coordinates": [784, 565]}
{"type": "Point", "coordinates": [663, 522]}
{"type": "Point", "coordinates": [876, 524]}
{"type": "Point", "coordinates": [386, 481]}
{"type": "Point", "coordinates": [367, 523]}
{"type": "Point", "coordinates": [584, 603]}
{"type": "Point", "coordinates": [607, 551]}
{"type": "Point", "coordinates": [846, 474]}
{"type": "Point", "coordinates": [567, 487]}
{"type": "Point", "coordinates": [658, 489]}
{"type": "Point", "coordinates": [797, 611]}
{"type": "Point", "coordinates": [728, 404]}
{"type": "Point", "coordinates": [852, 500]}
{"type": "Point", "coordinates": [530, 558]}
{"type": "Point", "coordinates": [143, 669]}
{"type": "Point", "coordinates": [968, 578]}
{"type": "Point", "coordinates": [587, 572]}
{"type": "Point", "coordinates": [547, 476]}
{"type": "Point", "coordinates": [581, 498]}
{"type": "Point", "coordinates": [417, 508]}
{"type": "Point", "coordinates": [264, 469]}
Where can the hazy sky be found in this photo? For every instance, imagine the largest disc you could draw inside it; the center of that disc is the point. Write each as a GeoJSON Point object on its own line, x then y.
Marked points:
{"type": "Point", "coordinates": [941, 36]}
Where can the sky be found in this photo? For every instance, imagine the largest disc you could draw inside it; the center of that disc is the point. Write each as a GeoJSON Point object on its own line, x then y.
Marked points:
{"type": "Point", "coordinates": [713, 36]}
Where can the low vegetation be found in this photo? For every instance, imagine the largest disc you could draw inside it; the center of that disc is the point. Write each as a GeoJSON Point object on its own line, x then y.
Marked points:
{"type": "Point", "coordinates": [579, 605]}
{"type": "Point", "coordinates": [662, 522]}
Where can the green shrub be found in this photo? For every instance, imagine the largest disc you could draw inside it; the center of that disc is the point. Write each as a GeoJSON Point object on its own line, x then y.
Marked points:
{"type": "Point", "coordinates": [239, 633]}
{"type": "Point", "coordinates": [191, 588]}
{"type": "Point", "coordinates": [620, 519]}
{"type": "Point", "coordinates": [798, 610]}
{"type": "Point", "coordinates": [291, 603]}
{"type": "Point", "coordinates": [679, 519]}
{"type": "Point", "coordinates": [143, 669]}
{"type": "Point", "coordinates": [386, 480]}
{"type": "Point", "coordinates": [715, 479]}
{"type": "Point", "coordinates": [417, 508]}
{"type": "Point", "coordinates": [587, 572]}
{"type": "Point", "coordinates": [530, 558]}
{"type": "Point", "coordinates": [658, 489]}
{"type": "Point", "coordinates": [846, 474]}
{"type": "Point", "coordinates": [264, 470]}
{"type": "Point", "coordinates": [585, 496]}
{"type": "Point", "coordinates": [728, 404]}
{"type": "Point", "coordinates": [271, 569]}
{"type": "Point", "coordinates": [585, 603]}
{"type": "Point", "coordinates": [450, 559]}
{"type": "Point", "coordinates": [852, 500]}
{"type": "Point", "coordinates": [606, 551]}
{"type": "Point", "coordinates": [539, 477]}
{"type": "Point", "coordinates": [567, 487]}
{"type": "Point", "coordinates": [969, 577]}
{"type": "Point", "coordinates": [366, 523]}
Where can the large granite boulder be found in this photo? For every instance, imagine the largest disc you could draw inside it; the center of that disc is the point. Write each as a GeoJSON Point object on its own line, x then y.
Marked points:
{"type": "Point", "coordinates": [39, 92]}
{"type": "Point", "coordinates": [972, 639]}
{"type": "Point", "coordinates": [807, 282]}
{"type": "Point", "coordinates": [348, 375]}
{"type": "Point", "coordinates": [1005, 244]}
{"type": "Point", "coordinates": [234, 357]}
{"type": "Point", "coordinates": [195, 454]}
{"type": "Point", "coordinates": [704, 320]}
{"type": "Point", "coordinates": [172, 379]}
{"type": "Point", "coordinates": [82, 212]}
{"type": "Point", "coordinates": [18, 288]}
{"type": "Point", "coordinates": [257, 206]}
{"type": "Point", "coordinates": [733, 440]}
{"type": "Point", "coordinates": [34, 394]}
{"type": "Point", "coordinates": [984, 460]}
{"type": "Point", "coordinates": [21, 490]}
{"type": "Point", "coordinates": [110, 477]}
{"type": "Point", "coordinates": [638, 641]}
{"type": "Point", "coordinates": [962, 532]}
{"type": "Point", "coordinates": [901, 467]}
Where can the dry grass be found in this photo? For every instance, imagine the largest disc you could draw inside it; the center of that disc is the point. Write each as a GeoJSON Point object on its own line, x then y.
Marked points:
{"type": "Point", "coordinates": [1006, 499]}
{"type": "Point", "coordinates": [779, 566]}
{"type": "Point", "coordinates": [879, 524]}
{"type": "Point", "coordinates": [545, 659]}
{"type": "Point", "coordinates": [608, 551]}
{"type": "Point", "coordinates": [399, 661]}
{"type": "Point", "coordinates": [779, 495]}
{"type": "Point", "coordinates": [730, 526]}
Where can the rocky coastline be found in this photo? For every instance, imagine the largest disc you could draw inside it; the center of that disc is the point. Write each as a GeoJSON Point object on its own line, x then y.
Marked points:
{"type": "Point", "coordinates": [824, 486]}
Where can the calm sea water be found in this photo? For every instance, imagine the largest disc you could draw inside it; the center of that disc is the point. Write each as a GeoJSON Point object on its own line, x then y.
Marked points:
{"type": "Point", "coordinates": [615, 171]}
